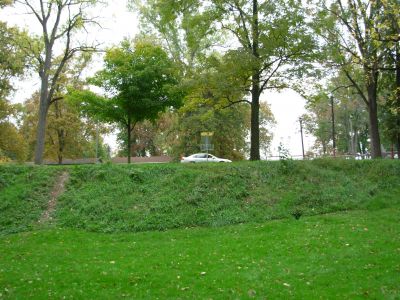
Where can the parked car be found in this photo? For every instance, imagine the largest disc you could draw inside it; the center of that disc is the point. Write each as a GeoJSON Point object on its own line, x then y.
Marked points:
{"type": "Point", "coordinates": [203, 157]}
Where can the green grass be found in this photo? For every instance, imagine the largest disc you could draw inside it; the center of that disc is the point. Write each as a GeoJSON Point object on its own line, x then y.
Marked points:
{"type": "Point", "coordinates": [211, 231]}
{"type": "Point", "coordinates": [24, 193]}
{"type": "Point", "coordinates": [121, 198]}
{"type": "Point", "coordinates": [347, 255]}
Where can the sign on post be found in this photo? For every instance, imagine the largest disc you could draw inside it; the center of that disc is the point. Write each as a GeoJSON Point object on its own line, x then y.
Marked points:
{"type": "Point", "coordinates": [206, 144]}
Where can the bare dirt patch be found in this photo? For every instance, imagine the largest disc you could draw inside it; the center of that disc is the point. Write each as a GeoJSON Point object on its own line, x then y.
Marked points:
{"type": "Point", "coordinates": [58, 189]}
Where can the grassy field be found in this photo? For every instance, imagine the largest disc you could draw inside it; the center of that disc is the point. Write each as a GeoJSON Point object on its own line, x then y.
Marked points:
{"type": "Point", "coordinates": [352, 255]}
{"type": "Point", "coordinates": [211, 231]}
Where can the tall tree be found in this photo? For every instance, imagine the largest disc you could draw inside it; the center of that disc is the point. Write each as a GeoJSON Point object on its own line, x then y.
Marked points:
{"type": "Point", "coordinates": [355, 35]}
{"type": "Point", "coordinates": [140, 82]}
{"type": "Point", "coordinates": [13, 62]}
{"type": "Point", "coordinates": [351, 121]}
{"type": "Point", "coordinates": [60, 20]}
{"type": "Point", "coordinates": [271, 36]}
{"type": "Point", "coordinates": [390, 25]}
{"type": "Point", "coordinates": [12, 59]}
{"type": "Point", "coordinates": [12, 144]}
{"type": "Point", "coordinates": [67, 134]}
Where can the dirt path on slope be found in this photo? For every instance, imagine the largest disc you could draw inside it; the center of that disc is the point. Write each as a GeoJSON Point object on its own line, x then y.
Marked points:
{"type": "Point", "coordinates": [58, 189]}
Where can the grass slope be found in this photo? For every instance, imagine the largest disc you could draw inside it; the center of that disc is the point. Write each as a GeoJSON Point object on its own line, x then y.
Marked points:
{"type": "Point", "coordinates": [121, 198]}
{"type": "Point", "coordinates": [348, 255]}
{"type": "Point", "coordinates": [24, 192]}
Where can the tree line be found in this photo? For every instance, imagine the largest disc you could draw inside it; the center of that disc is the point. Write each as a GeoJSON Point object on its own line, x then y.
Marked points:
{"type": "Point", "coordinates": [202, 66]}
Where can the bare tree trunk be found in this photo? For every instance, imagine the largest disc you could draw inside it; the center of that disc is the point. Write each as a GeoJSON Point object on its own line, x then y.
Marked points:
{"type": "Point", "coordinates": [372, 87]}
{"type": "Point", "coordinates": [42, 120]}
{"type": "Point", "coordinates": [255, 91]}
{"type": "Point", "coordinates": [255, 124]}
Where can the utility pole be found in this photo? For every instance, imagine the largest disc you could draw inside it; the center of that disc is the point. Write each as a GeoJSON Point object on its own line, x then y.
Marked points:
{"type": "Point", "coordinates": [302, 140]}
{"type": "Point", "coordinates": [333, 128]}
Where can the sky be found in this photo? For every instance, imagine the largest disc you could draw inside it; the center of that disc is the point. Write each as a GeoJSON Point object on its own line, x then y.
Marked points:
{"type": "Point", "coordinates": [117, 23]}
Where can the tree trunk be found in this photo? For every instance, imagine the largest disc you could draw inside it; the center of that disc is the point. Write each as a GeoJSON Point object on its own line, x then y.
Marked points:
{"type": "Point", "coordinates": [60, 134]}
{"type": "Point", "coordinates": [61, 145]}
{"type": "Point", "coordinates": [372, 87]}
{"type": "Point", "coordinates": [42, 119]}
{"type": "Point", "coordinates": [44, 102]}
{"type": "Point", "coordinates": [255, 124]}
{"type": "Point", "coordinates": [129, 141]}
{"type": "Point", "coordinates": [255, 91]}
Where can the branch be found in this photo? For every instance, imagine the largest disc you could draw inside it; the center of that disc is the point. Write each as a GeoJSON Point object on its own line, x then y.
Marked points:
{"type": "Point", "coordinates": [263, 86]}
{"type": "Point", "coordinates": [235, 102]}
{"type": "Point", "coordinates": [56, 23]}
{"type": "Point", "coordinates": [243, 42]}
{"type": "Point", "coordinates": [360, 92]}
{"type": "Point", "coordinates": [242, 19]}
{"type": "Point", "coordinates": [56, 99]}
{"type": "Point", "coordinates": [133, 127]}
{"type": "Point", "coordinates": [26, 2]}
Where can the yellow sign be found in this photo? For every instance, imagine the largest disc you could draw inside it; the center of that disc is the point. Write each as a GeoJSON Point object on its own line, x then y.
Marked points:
{"type": "Point", "coordinates": [207, 134]}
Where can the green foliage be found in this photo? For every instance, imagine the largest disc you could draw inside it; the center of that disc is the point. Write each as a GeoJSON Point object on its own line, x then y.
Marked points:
{"type": "Point", "coordinates": [360, 41]}
{"type": "Point", "coordinates": [24, 193]}
{"type": "Point", "coordinates": [12, 143]}
{"type": "Point", "coordinates": [351, 117]}
{"type": "Point", "coordinates": [13, 59]}
{"type": "Point", "coordinates": [273, 47]}
{"type": "Point", "coordinates": [67, 134]}
{"type": "Point", "coordinates": [140, 82]}
{"type": "Point", "coordinates": [348, 255]}
{"type": "Point", "coordinates": [5, 3]}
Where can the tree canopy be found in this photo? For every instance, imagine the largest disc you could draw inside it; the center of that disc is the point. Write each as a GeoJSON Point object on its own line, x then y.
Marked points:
{"type": "Point", "coordinates": [139, 81]}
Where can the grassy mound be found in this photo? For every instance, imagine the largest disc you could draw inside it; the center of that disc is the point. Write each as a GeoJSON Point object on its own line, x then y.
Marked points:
{"type": "Point", "coordinates": [130, 198]}
{"type": "Point", "coordinates": [24, 192]}
{"type": "Point", "coordinates": [121, 198]}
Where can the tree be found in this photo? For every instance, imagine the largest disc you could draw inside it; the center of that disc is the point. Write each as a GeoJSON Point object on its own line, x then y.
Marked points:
{"type": "Point", "coordinates": [12, 58]}
{"type": "Point", "coordinates": [140, 82]}
{"type": "Point", "coordinates": [187, 30]}
{"type": "Point", "coordinates": [390, 24]}
{"type": "Point", "coordinates": [60, 20]}
{"type": "Point", "coordinates": [12, 64]}
{"type": "Point", "coordinates": [271, 34]}
{"type": "Point", "coordinates": [149, 137]}
{"type": "Point", "coordinates": [351, 125]}
{"type": "Point", "coordinates": [356, 34]}
{"type": "Point", "coordinates": [67, 134]}
{"type": "Point", "coordinates": [214, 102]}
{"type": "Point", "coordinates": [12, 144]}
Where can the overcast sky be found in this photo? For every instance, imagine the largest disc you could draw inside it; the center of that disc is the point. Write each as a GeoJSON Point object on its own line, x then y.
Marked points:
{"type": "Point", "coordinates": [117, 23]}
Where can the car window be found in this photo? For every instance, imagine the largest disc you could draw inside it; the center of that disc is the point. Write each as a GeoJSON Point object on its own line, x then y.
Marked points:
{"type": "Point", "coordinates": [210, 156]}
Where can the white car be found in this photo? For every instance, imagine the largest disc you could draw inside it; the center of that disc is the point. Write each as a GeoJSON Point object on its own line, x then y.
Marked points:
{"type": "Point", "coordinates": [203, 157]}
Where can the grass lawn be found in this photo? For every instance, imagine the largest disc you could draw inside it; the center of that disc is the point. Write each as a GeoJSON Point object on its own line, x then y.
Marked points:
{"type": "Point", "coordinates": [346, 255]}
